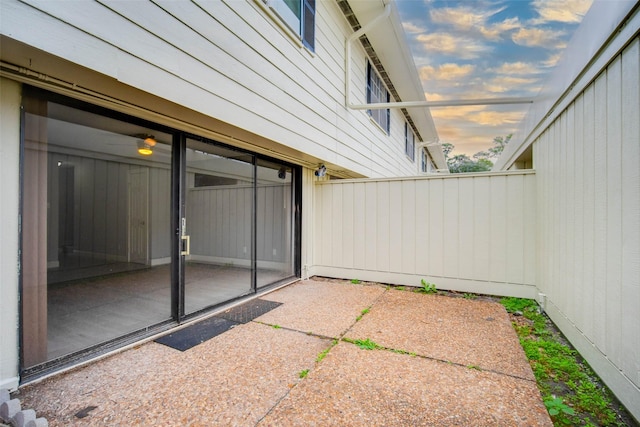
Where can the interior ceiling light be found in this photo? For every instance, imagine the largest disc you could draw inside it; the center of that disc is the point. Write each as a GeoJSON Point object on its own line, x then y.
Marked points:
{"type": "Point", "coordinates": [145, 146]}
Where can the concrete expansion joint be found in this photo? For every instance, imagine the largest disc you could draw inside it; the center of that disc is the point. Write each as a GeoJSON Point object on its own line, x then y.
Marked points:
{"type": "Point", "coordinates": [11, 412]}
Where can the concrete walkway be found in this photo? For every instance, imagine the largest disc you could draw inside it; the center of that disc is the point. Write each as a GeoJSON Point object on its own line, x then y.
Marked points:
{"type": "Point", "coordinates": [437, 361]}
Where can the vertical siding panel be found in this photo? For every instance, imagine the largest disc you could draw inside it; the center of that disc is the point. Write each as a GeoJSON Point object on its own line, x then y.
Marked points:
{"type": "Point", "coordinates": [327, 213]}
{"type": "Point", "coordinates": [317, 240]}
{"type": "Point", "coordinates": [559, 225]}
{"type": "Point", "coordinates": [99, 207]}
{"type": "Point", "coordinates": [614, 209]}
{"type": "Point", "coordinates": [396, 225]}
{"type": "Point", "coordinates": [383, 226]}
{"type": "Point", "coordinates": [600, 214]}
{"type": "Point", "coordinates": [112, 196]}
{"type": "Point", "coordinates": [514, 229]}
{"type": "Point", "coordinates": [466, 236]}
{"type": "Point", "coordinates": [588, 186]}
{"type": "Point", "coordinates": [422, 197]}
{"type": "Point", "coordinates": [359, 235]}
{"type": "Point", "coordinates": [228, 248]}
{"type": "Point", "coordinates": [578, 294]}
{"type": "Point", "coordinates": [436, 231]}
{"type": "Point", "coordinates": [481, 227]}
{"type": "Point", "coordinates": [530, 230]}
{"type": "Point", "coordinates": [450, 221]}
{"type": "Point", "coordinates": [630, 292]}
{"type": "Point", "coordinates": [123, 210]}
{"type": "Point", "coordinates": [497, 221]}
{"type": "Point", "coordinates": [371, 224]}
{"type": "Point", "coordinates": [347, 225]}
{"type": "Point", "coordinates": [570, 214]}
{"type": "Point", "coordinates": [410, 216]}
{"type": "Point", "coordinates": [218, 203]}
{"type": "Point", "coordinates": [337, 228]}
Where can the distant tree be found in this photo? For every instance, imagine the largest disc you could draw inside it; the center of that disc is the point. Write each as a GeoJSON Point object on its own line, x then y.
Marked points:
{"type": "Point", "coordinates": [499, 143]}
{"type": "Point", "coordinates": [482, 161]}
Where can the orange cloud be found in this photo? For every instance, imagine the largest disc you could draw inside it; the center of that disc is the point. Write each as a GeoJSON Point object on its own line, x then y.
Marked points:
{"type": "Point", "coordinates": [453, 45]}
{"type": "Point", "coordinates": [446, 72]}
{"type": "Point", "coordinates": [570, 11]}
{"type": "Point", "coordinates": [537, 37]}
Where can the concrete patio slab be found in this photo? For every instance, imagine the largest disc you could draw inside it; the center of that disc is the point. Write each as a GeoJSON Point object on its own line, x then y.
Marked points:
{"type": "Point", "coordinates": [232, 379]}
{"type": "Point", "coordinates": [356, 387]}
{"type": "Point", "coordinates": [321, 307]}
{"type": "Point", "coordinates": [457, 330]}
{"type": "Point", "coordinates": [258, 374]}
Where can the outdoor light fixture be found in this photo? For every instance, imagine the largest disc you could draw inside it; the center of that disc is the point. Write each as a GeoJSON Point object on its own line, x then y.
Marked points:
{"type": "Point", "coordinates": [321, 171]}
{"type": "Point", "coordinates": [145, 147]}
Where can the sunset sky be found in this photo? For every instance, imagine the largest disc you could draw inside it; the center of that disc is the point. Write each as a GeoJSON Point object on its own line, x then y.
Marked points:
{"type": "Point", "coordinates": [485, 49]}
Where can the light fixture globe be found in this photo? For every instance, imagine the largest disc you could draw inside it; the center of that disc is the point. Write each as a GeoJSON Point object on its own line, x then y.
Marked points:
{"type": "Point", "coordinates": [145, 147]}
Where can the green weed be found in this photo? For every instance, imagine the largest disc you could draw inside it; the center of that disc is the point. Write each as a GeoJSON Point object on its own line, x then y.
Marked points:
{"type": "Point", "coordinates": [303, 373]}
{"type": "Point", "coordinates": [568, 387]}
{"type": "Point", "coordinates": [427, 288]}
{"type": "Point", "coordinates": [326, 351]}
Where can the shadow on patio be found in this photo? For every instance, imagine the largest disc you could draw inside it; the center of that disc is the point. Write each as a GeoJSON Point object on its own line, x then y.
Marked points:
{"type": "Point", "coordinates": [437, 361]}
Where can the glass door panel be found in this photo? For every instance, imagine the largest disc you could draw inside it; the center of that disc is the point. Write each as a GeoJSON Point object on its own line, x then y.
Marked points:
{"type": "Point", "coordinates": [274, 219]}
{"type": "Point", "coordinates": [95, 235]}
{"type": "Point", "coordinates": [219, 212]}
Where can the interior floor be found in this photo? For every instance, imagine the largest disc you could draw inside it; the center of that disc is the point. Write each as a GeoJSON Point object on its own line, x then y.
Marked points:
{"type": "Point", "coordinates": [121, 299]}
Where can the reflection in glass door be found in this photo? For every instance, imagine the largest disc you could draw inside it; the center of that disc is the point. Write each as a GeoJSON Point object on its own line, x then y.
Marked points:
{"type": "Point", "coordinates": [274, 213]}
{"type": "Point", "coordinates": [219, 211]}
{"type": "Point", "coordinates": [95, 235]}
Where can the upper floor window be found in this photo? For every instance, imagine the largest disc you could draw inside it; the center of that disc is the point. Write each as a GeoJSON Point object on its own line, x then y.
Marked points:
{"type": "Point", "coordinates": [299, 15]}
{"type": "Point", "coordinates": [409, 141]}
{"type": "Point", "coordinates": [376, 93]}
{"type": "Point", "coordinates": [425, 162]}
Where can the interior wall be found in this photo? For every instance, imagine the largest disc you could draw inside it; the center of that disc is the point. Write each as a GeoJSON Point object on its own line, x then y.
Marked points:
{"type": "Point", "coordinates": [10, 99]}
{"type": "Point", "coordinates": [225, 226]}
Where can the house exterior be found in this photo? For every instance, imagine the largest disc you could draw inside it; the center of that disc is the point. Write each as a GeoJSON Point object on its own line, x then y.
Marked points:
{"type": "Point", "coordinates": [557, 220]}
{"type": "Point", "coordinates": [159, 159]}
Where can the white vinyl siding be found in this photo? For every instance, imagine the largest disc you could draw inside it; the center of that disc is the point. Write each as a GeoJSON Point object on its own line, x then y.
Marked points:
{"type": "Point", "coordinates": [228, 61]}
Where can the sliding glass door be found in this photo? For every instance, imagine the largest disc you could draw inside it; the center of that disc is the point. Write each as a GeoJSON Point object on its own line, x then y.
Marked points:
{"type": "Point", "coordinates": [95, 235]}
{"type": "Point", "coordinates": [129, 227]}
{"type": "Point", "coordinates": [219, 211]}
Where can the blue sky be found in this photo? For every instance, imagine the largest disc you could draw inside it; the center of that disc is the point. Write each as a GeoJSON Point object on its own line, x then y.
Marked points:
{"type": "Point", "coordinates": [485, 49]}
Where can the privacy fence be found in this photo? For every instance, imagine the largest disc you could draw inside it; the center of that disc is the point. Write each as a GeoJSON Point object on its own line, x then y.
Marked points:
{"type": "Point", "coordinates": [471, 233]}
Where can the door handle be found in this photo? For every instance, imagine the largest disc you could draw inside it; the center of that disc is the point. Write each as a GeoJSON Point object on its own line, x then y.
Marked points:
{"type": "Point", "coordinates": [187, 246]}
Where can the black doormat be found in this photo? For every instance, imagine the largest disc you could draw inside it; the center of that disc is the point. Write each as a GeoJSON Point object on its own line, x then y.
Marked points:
{"type": "Point", "coordinates": [248, 311]}
{"type": "Point", "coordinates": [195, 334]}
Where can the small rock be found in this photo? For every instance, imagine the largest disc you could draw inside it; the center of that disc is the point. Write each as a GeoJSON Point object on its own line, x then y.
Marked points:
{"type": "Point", "coordinates": [517, 313]}
{"type": "Point", "coordinates": [9, 409]}
{"type": "Point", "coordinates": [23, 417]}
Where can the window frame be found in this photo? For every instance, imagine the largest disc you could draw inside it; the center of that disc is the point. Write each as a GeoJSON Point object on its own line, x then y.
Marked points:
{"type": "Point", "coordinates": [301, 24]}
{"type": "Point", "coordinates": [424, 161]}
{"type": "Point", "coordinates": [377, 92]}
{"type": "Point", "coordinates": [409, 142]}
